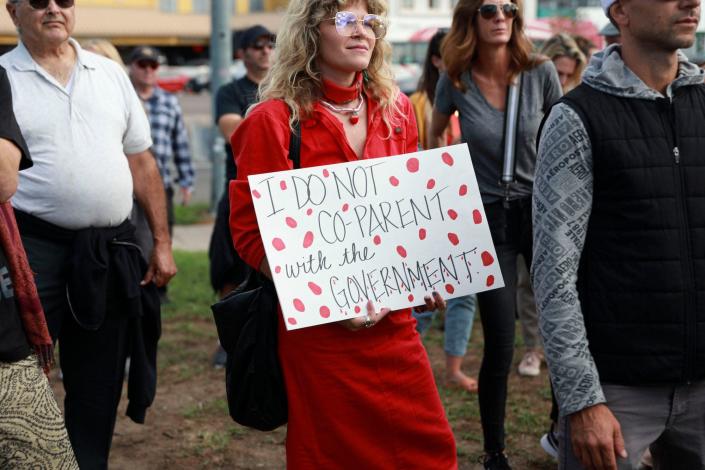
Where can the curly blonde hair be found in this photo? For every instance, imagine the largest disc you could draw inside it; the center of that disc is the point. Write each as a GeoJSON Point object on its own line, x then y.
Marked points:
{"type": "Point", "coordinates": [295, 77]}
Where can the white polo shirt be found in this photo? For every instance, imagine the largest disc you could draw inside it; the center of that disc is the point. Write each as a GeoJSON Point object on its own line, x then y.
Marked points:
{"type": "Point", "coordinates": [78, 139]}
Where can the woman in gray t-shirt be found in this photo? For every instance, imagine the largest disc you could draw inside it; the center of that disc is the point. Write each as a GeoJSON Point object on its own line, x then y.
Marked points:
{"type": "Point", "coordinates": [485, 51]}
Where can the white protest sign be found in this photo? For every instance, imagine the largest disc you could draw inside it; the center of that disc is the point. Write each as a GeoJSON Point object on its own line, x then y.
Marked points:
{"type": "Point", "coordinates": [386, 229]}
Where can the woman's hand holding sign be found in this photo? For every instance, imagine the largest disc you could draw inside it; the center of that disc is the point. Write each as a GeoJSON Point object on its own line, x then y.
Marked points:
{"type": "Point", "coordinates": [372, 317]}
{"type": "Point", "coordinates": [432, 302]}
{"type": "Point", "coordinates": [368, 321]}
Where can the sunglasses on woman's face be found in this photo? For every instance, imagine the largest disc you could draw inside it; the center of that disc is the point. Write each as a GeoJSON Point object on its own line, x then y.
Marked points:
{"type": "Point", "coordinates": [491, 10]}
{"type": "Point", "coordinates": [43, 4]}
{"type": "Point", "coordinates": [372, 25]}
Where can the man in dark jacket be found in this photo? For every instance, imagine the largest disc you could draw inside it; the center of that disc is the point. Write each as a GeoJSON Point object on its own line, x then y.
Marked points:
{"type": "Point", "coordinates": [619, 247]}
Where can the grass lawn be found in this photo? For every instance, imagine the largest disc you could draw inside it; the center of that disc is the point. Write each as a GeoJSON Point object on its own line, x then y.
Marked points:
{"type": "Point", "coordinates": [188, 425]}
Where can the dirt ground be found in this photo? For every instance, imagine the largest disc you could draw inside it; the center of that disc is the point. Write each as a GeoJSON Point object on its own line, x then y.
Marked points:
{"type": "Point", "coordinates": [188, 426]}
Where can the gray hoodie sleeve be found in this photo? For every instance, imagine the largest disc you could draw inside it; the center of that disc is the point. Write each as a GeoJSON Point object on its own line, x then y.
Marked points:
{"type": "Point", "coordinates": [562, 202]}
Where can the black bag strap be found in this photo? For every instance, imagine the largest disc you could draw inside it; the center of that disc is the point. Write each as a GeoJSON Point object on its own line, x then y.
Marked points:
{"type": "Point", "coordinates": [295, 145]}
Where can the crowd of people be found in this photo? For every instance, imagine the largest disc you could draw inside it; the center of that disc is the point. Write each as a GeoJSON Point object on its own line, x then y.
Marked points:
{"type": "Point", "coordinates": [599, 231]}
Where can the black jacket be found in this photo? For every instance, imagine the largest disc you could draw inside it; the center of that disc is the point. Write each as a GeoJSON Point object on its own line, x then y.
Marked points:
{"type": "Point", "coordinates": [106, 268]}
{"type": "Point", "coordinates": [641, 280]}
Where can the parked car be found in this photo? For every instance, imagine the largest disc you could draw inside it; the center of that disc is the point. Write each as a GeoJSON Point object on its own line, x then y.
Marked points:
{"type": "Point", "coordinates": [202, 80]}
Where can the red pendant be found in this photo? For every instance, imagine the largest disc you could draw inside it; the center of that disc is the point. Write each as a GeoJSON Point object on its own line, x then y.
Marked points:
{"type": "Point", "coordinates": [354, 118]}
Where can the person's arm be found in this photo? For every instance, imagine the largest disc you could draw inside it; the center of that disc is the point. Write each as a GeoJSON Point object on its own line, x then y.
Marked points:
{"type": "Point", "coordinates": [10, 157]}
{"type": "Point", "coordinates": [228, 109]}
{"type": "Point", "coordinates": [443, 108]}
{"type": "Point", "coordinates": [564, 176]}
{"type": "Point", "coordinates": [439, 123]}
{"type": "Point", "coordinates": [182, 156]}
{"type": "Point", "coordinates": [149, 192]}
{"type": "Point", "coordinates": [552, 90]}
{"type": "Point", "coordinates": [13, 148]}
{"type": "Point", "coordinates": [228, 124]}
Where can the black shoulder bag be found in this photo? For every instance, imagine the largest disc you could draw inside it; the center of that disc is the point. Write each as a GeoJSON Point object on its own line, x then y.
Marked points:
{"type": "Point", "coordinates": [246, 320]}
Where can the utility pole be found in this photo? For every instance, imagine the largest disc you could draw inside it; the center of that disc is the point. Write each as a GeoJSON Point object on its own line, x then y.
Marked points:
{"type": "Point", "coordinates": [221, 52]}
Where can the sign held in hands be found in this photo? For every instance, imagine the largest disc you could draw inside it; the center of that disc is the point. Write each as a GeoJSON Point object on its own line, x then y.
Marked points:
{"type": "Point", "coordinates": [386, 229]}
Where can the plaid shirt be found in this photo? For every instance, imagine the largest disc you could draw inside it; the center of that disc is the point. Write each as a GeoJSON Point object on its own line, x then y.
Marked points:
{"type": "Point", "coordinates": [169, 137]}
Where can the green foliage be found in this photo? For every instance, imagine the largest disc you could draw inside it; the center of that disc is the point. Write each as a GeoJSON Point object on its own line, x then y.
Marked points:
{"type": "Point", "coordinates": [190, 292]}
{"type": "Point", "coordinates": [192, 214]}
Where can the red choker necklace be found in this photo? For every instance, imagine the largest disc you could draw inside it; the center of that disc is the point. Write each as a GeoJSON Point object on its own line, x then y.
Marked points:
{"type": "Point", "coordinates": [336, 97]}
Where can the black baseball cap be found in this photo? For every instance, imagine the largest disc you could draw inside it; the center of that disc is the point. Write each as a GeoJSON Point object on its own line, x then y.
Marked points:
{"type": "Point", "coordinates": [143, 53]}
{"type": "Point", "coordinates": [250, 36]}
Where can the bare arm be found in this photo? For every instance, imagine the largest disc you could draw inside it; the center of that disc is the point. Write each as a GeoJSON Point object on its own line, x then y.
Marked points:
{"type": "Point", "coordinates": [228, 123]}
{"type": "Point", "coordinates": [439, 123]}
{"type": "Point", "coordinates": [9, 167]}
{"type": "Point", "coordinates": [149, 192]}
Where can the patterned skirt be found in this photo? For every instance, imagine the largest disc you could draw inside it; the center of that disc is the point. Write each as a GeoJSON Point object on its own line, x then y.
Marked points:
{"type": "Point", "coordinates": [32, 431]}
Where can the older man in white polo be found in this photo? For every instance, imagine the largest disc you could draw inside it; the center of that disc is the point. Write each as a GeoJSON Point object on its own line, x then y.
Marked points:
{"type": "Point", "coordinates": [89, 139]}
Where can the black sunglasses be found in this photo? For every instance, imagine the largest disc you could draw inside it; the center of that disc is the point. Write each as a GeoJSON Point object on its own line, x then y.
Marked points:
{"type": "Point", "coordinates": [143, 64]}
{"type": "Point", "coordinates": [43, 4]}
{"type": "Point", "coordinates": [490, 10]}
{"type": "Point", "coordinates": [260, 45]}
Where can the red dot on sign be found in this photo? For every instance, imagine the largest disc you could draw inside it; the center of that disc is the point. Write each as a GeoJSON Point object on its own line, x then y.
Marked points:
{"type": "Point", "coordinates": [412, 165]}
{"type": "Point", "coordinates": [490, 280]}
{"type": "Point", "coordinates": [453, 238]}
{"type": "Point", "coordinates": [452, 214]}
{"type": "Point", "coordinates": [346, 206]}
{"type": "Point", "coordinates": [377, 240]}
{"type": "Point", "coordinates": [308, 239]}
{"type": "Point", "coordinates": [422, 234]}
{"type": "Point", "coordinates": [278, 269]}
{"type": "Point", "coordinates": [487, 258]}
{"type": "Point", "coordinates": [324, 311]}
{"type": "Point", "coordinates": [447, 159]}
{"type": "Point", "coordinates": [299, 305]}
{"type": "Point", "coordinates": [449, 288]}
{"type": "Point", "coordinates": [291, 222]}
{"type": "Point", "coordinates": [431, 184]}
{"type": "Point", "coordinates": [278, 244]}
{"type": "Point", "coordinates": [282, 184]}
{"type": "Point", "coordinates": [393, 181]}
{"type": "Point", "coordinates": [326, 173]}
{"type": "Point", "coordinates": [309, 211]}
{"type": "Point", "coordinates": [411, 297]}
{"type": "Point", "coordinates": [357, 309]}
{"type": "Point", "coordinates": [315, 288]}
{"type": "Point", "coordinates": [292, 321]}
{"type": "Point", "coordinates": [463, 190]}
{"type": "Point", "coordinates": [477, 216]}
{"type": "Point", "coordinates": [256, 194]}
{"type": "Point", "coordinates": [401, 250]}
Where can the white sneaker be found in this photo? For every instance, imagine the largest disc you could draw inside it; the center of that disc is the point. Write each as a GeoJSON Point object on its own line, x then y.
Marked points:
{"type": "Point", "coordinates": [530, 365]}
{"type": "Point", "coordinates": [549, 443]}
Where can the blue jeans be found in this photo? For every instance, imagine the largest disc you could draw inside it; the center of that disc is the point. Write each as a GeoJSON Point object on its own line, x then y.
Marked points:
{"type": "Point", "coordinates": [460, 313]}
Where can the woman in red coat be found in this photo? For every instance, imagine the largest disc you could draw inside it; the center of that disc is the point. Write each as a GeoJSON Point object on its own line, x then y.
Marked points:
{"type": "Point", "coordinates": [361, 392]}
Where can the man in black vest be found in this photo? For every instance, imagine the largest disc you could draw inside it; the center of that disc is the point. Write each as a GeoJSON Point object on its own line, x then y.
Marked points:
{"type": "Point", "coordinates": [619, 247]}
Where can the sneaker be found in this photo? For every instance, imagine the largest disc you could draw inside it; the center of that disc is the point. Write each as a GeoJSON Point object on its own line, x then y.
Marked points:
{"type": "Point", "coordinates": [496, 461]}
{"type": "Point", "coordinates": [549, 443]}
{"type": "Point", "coordinates": [530, 365]}
{"type": "Point", "coordinates": [219, 358]}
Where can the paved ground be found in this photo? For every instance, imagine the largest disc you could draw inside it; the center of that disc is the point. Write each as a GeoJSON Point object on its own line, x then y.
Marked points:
{"type": "Point", "coordinates": [192, 237]}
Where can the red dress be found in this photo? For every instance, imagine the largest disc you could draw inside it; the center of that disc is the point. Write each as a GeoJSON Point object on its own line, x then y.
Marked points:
{"type": "Point", "coordinates": [361, 399]}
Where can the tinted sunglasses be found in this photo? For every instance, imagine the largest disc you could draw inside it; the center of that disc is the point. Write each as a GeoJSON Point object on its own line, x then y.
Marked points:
{"type": "Point", "coordinates": [372, 25]}
{"type": "Point", "coordinates": [143, 64]}
{"type": "Point", "coordinates": [490, 10]}
{"type": "Point", "coordinates": [260, 45]}
{"type": "Point", "coordinates": [43, 4]}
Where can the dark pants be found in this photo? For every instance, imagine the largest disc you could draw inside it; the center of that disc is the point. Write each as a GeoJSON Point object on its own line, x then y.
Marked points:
{"type": "Point", "coordinates": [511, 233]}
{"type": "Point", "coordinates": [93, 362]}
